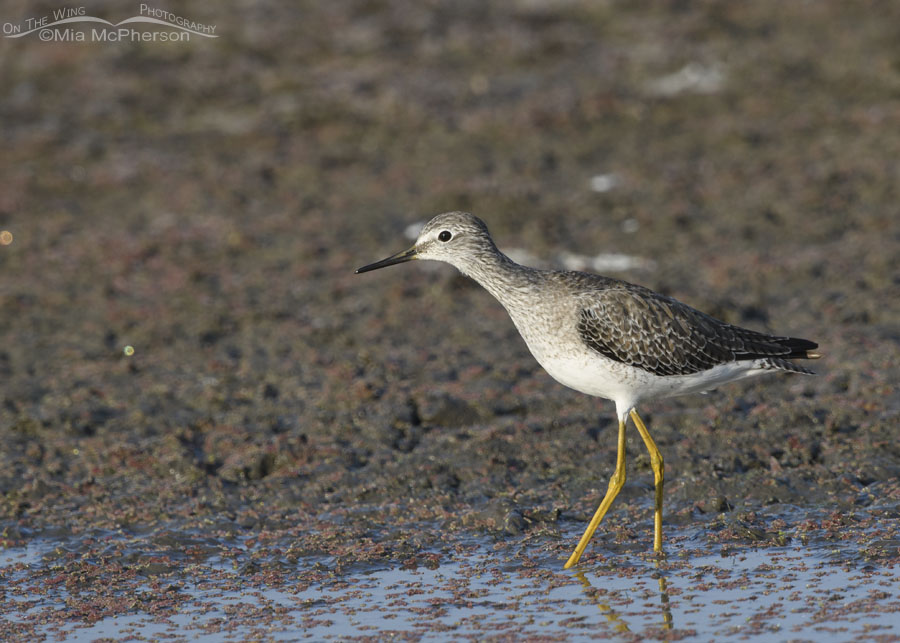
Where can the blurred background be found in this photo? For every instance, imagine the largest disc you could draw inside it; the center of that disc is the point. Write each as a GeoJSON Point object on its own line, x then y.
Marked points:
{"type": "Point", "coordinates": [183, 340]}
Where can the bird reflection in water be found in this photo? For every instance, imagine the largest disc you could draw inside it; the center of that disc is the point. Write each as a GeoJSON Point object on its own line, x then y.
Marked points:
{"type": "Point", "coordinates": [613, 617]}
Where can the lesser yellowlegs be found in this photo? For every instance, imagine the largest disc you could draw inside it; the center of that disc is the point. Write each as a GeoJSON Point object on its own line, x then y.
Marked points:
{"type": "Point", "coordinates": [606, 337]}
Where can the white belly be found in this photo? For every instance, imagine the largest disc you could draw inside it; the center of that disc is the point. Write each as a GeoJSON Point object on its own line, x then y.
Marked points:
{"type": "Point", "coordinates": [627, 385]}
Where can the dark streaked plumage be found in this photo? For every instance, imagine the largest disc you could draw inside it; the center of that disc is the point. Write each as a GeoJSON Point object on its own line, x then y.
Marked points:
{"type": "Point", "coordinates": [660, 335]}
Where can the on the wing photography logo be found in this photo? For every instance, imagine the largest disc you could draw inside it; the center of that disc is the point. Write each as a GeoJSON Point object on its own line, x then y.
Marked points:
{"type": "Point", "coordinates": [73, 24]}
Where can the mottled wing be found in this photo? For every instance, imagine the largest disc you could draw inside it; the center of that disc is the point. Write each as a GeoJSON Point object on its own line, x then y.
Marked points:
{"type": "Point", "coordinates": [641, 328]}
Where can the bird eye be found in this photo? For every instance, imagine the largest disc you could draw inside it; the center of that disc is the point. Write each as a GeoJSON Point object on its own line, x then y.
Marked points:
{"type": "Point", "coordinates": [445, 236]}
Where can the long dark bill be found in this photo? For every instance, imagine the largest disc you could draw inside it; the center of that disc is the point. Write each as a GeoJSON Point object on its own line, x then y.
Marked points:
{"type": "Point", "coordinates": [400, 257]}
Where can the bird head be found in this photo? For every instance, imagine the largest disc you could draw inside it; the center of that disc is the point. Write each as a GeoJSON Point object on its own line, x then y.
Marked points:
{"type": "Point", "coordinates": [457, 238]}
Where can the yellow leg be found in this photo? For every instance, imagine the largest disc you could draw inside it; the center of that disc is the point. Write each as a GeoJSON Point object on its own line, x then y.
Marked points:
{"type": "Point", "coordinates": [615, 486]}
{"type": "Point", "coordinates": [656, 463]}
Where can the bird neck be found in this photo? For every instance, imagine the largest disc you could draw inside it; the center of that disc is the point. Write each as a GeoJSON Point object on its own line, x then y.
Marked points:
{"type": "Point", "coordinates": [506, 280]}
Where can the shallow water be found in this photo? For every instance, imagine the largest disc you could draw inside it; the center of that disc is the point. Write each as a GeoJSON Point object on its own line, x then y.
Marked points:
{"type": "Point", "coordinates": [820, 591]}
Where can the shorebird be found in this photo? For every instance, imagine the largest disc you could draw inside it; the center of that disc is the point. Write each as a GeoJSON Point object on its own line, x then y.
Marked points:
{"type": "Point", "coordinates": [607, 338]}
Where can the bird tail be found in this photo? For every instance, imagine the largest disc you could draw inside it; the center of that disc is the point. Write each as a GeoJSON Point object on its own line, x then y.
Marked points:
{"type": "Point", "coordinates": [800, 349]}
{"type": "Point", "coordinates": [779, 364]}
